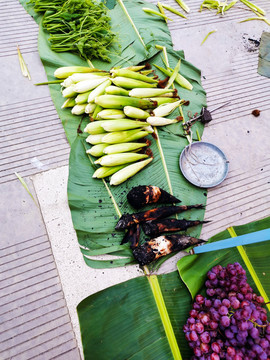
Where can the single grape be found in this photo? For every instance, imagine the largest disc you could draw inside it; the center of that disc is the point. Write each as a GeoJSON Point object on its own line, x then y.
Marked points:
{"type": "Point", "coordinates": [199, 299]}
{"type": "Point", "coordinates": [257, 349]}
{"type": "Point", "coordinates": [216, 347]}
{"type": "Point", "coordinates": [204, 348]}
{"type": "Point", "coordinates": [214, 356]}
{"type": "Point", "coordinates": [205, 337]}
{"type": "Point", "coordinates": [225, 321]}
{"type": "Point", "coordinates": [254, 333]}
{"type": "Point", "coordinates": [231, 351]}
{"type": "Point", "coordinates": [223, 310]}
{"type": "Point", "coordinates": [199, 328]}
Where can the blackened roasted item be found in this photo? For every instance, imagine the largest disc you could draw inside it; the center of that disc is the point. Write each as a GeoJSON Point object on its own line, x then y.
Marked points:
{"type": "Point", "coordinates": [154, 228]}
{"type": "Point", "coordinates": [163, 245]}
{"type": "Point", "coordinates": [132, 236]}
{"type": "Point", "coordinates": [127, 220]}
{"type": "Point", "coordinates": [142, 195]}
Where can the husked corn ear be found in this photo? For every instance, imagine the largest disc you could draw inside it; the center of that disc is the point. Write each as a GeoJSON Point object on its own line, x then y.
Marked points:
{"type": "Point", "coordinates": [67, 82]}
{"type": "Point", "coordinates": [147, 93]}
{"type": "Point", "coordinates": [122, 175]}
{"type": "Point", "coordinates": [124, 136]}
{"type": "Point", "coordinates": [105, 171]}
{"type": "Point", "coordinates": [99, 90]}
{"type": "Point", "coordinates": [133, 75]}
{"type": "Point", "coordinates": [82, 98]}
{"type": "Point", "coordinates": [86, 85]}
{"type": "Point", "coordinates": [135, 113]}
{"type": "Point", "coordinates": [115, 90]}
{"type": "Point", "coordinates": [119, 102]}
{"type": "Point", "coordinates": [69, 91]}
{"type": "Point", "coordinates": [120, 159]}
{"type": "Point", "coordinates": [110, 114]}
{"type": "Point", "coordinates": [166, 109]}
{"type": "Point", "coordinates": [163, 100]}
{"type": "Point", "coordinates": [95, 139]}
{"type": "Point", "coordinates": [94, 127]}
{"type": "Point", "coordinates": [66, 71]}
{"type": "Point", "coordinates": [160, 121]}
{"type": "Point", "coordinates": [78, 109]}
{"type": "Point", "coordinates": [128, 83]}
{"type": "Point", "coordinates": [120, 125]}
{"type": "Point", "coordinates": [90, 76]}
{"type": "Point", "coordinates": [123, 147]}
{"type": "Point", "coordinates": [97, 150]}
{"type": "Point", "coordinates": [90, 108]}
{"type": "Point", "coordinates": [180, 80]}
{"type": "Point", "coordinates": [70, 102]}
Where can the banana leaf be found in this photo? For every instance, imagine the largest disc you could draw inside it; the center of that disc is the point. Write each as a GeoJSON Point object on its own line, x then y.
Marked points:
{"type": "Point", "coordinates": [95, 206]}
{"type": "Point", "coordinates": [123, 321]}
{"type": "Point", "coordinates": [258, 254]}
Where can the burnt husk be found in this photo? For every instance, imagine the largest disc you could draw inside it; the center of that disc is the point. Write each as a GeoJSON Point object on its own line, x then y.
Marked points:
{"type": "Point", "coordinates": [127, 220]}
{"type": "Point", "coordinates": [143, 195]}
{"type": "Point", "coordinates": [154, 228]}
{"type": "Point", "coordinates": [148, 252]}
{"type": "Point", "coordinates": [132, 236]}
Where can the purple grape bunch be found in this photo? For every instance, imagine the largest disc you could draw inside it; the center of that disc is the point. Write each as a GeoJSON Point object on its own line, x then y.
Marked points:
{"type": "Point", "coordinates": [231, 323]}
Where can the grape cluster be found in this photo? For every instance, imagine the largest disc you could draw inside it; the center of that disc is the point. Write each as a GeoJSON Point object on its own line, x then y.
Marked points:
{"type": "Point", "coordinates": [230, 323]}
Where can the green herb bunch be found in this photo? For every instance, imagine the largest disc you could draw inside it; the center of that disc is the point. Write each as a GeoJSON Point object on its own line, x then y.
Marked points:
{"type": "Point", "coordinates": [79, 26]}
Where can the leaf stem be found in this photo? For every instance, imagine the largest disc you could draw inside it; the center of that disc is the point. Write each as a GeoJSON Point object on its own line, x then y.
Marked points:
{"type": "Point", "coordinates": [250, 269]}
{"type": "Point", "coordinates": [131, 21]}
{"type": "Point", "coordinates": [154, 284]}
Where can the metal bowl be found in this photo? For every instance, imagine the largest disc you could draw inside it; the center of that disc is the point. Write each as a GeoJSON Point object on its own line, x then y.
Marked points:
{"type": "Point", "coordinates": [203, 164]}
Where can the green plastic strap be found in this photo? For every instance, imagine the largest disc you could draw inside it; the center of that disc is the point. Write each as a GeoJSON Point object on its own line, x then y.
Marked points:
{"type": "Point", "coordinates": [251, 269]}
{"type": "Point", "coordinates": [153, 281]}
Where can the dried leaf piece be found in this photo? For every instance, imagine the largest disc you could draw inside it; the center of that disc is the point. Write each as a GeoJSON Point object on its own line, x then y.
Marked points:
{"type": "Point", "coordinates": [23, 66]}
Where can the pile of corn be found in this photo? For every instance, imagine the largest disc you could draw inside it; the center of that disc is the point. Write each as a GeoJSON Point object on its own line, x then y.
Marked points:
{"type": "Point", "coordinates": [126, 103]}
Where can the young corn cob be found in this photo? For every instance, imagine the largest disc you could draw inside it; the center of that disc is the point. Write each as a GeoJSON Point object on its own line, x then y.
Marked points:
{"type": "Point", "coordinates": [95, 139]}
{"type": "Point", "coordinates": [94, 127]}
{"type": "Point", "coordinates": [97, 150]}
{"type": "Point", "coordinates": [78, 109]}
{"type": "Point", "coordinates": [110, 114]}
{"type": "Point", "coordinates": [75, 78]}
{"type": "Point", "coordinates": [129, 83]}
{"type": "Point", "coordinates": [135, 113]}
{"type": "Point", "coordinates": [99, 90]}
{"type": "Point", "coordinates": [82, 98]}
{"type": "Point", "coordinates": [69, 91]}
{"type": "Point", "coordinates": [163, 100]}
{"type": "Point", "coordinates": [119, 102]}
{"type": "Point", "coordinates": [180, 80]}
{"type": "Point", "coordinates": [133, 75]}
{"type": "Point", "coordinates": [66, 71]}
{"type": "Point", "coordinates": [120, 159]}
{"type": "Point", "coordinates": [122, 175]}
{"type": "Point", "coordinates": [70, 102]}
{"type": "Point", "coordinates": [124, 136]}
{"type": "Point", "coordinates": [106, 171]}
{"type": "Point", "coordinates": [123, 147]}
{"type": "Point", "coordinates": [115, 90]}
{"type": "Point", "coordinates": [166, 109]}
{"type": "Point", "coordinates": [90, 108]}
{"type": "Point", "coordinates": [86, 85]}
{"type": "Point", "coordinates": [148, 93]}
{"type": "Point", "coordinates": [121, 125]}
{"type": "Point", "coordinates": [160, 121]}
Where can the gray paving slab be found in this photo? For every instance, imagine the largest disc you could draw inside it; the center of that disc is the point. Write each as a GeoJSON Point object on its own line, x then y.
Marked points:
{"type": "Point", "coordinates": [42, 277]}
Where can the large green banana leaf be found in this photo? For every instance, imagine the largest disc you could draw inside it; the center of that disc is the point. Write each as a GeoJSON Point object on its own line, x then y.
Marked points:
{"type": "Point", "coordinates": [95, 206]}
{"type": "Point", "coordinates": [123, 321]}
